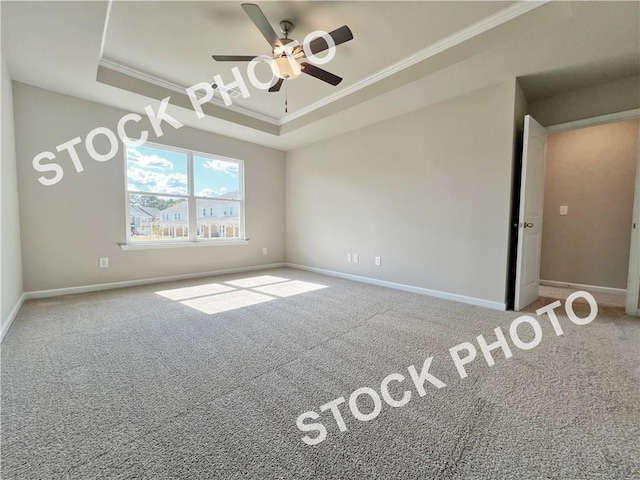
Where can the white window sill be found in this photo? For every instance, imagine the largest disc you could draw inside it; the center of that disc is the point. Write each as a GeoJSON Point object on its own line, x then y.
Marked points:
{"type": "Point", "coordinates": [187, 244]}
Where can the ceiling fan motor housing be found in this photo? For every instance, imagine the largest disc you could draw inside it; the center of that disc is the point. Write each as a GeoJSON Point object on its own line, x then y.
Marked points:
{"type": "Point", "coordinates": [286, 27]}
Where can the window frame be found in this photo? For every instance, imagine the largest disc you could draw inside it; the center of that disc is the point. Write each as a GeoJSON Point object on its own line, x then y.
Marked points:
{"type": "Point", "coordinates": [191, 199]}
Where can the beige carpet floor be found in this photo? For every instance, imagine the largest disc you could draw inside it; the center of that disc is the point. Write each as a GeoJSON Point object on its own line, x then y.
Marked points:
{"type": "Point", "coordinates": [205, 379]}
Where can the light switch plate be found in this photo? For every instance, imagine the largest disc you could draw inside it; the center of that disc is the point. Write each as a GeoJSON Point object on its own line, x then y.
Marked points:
{"type": "Point", "coordinates": [564, 209]}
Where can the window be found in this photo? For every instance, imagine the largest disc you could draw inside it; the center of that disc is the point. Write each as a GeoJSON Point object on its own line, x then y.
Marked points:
{"type": "Point", "coordinates": [175, 187]}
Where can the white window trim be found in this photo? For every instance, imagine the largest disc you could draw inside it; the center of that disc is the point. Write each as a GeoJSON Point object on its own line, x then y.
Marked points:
{"type": "Point", "coordinates": [184, 244]}
{"type": "Point", "coordinates": [192, 212]}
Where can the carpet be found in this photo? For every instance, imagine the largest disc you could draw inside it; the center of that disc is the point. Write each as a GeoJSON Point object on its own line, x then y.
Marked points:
{"type": "Point", "coordinates": [206, 378]}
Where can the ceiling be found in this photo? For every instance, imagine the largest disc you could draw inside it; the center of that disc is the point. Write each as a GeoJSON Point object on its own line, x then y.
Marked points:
{"type": "Point", "coordinates": [404, 55]}
{"type": "Point", "coordinates": [149, 39]}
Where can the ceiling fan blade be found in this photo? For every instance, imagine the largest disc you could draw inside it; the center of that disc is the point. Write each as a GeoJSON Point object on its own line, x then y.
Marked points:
{"type": "Point", "coordinates": [260, 21]}
{"type": "Point", "coordinates": [233, 58]}
{"type": "Point", "coordinates": [276, 86]}
{"type": "Point", "coordinates": [321, 74]}
{"type": "Point", "coordinates": [339, 35]}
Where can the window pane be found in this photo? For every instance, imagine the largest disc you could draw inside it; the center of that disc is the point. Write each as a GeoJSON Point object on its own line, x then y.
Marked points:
{"type": "Point", "coordinates": [158, 217]}
{"type": "Point", "coordinates": [218, 219]}
{"type": "Point", "coordinates": [154, 170]}
{"type": "Point", "coordinates": [216, 178]}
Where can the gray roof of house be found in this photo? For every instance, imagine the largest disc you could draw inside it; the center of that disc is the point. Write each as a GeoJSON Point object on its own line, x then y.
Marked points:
{"type": "Point", "coordinates": [142, 212]}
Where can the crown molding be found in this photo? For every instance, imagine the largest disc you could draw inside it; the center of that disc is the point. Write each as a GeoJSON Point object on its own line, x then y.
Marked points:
{"type": "Point", "coordinates": [503, 16]}
{"type": "Point", "coordinates": [139, 74]}
{"type": "Point", "coordinates": [105, 27]}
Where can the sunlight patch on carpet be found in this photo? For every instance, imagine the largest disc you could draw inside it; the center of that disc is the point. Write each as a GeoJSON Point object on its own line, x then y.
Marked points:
{"type": "Point", "coordinates": [227, 301]}
{"type": "Point", "coordinates": [197, 291]}
{"type": "Point", "coordinates": [221, 297]}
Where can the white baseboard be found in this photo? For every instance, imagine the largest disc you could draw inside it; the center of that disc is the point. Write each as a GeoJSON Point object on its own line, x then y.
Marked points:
{"type": "Point", "coordinates": [145, 281]}
{"type": "Point", "coordinates": [12, 317]}
{"type": "Point", "coordinates": [408, 288]}
{"type": "Point", "coordinates": [579, 286]}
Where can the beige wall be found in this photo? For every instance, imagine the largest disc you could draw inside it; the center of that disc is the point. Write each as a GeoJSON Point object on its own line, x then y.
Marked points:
{"type": "Point", "coordinates": [521, 110]}
{"type": "Point", "coordinates": [428, 191]}
{"type": "Point", "coordinates": [67, 227]}
{"type": "Point", "coordinates": [592, 171]}
{"type": "Point", "coordinates": [10, 256]}
{"type": "Point", "coordinates": [613, 97]}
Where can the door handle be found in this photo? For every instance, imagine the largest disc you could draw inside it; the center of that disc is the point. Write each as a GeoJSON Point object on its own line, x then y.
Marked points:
{"type": "Point", "coordinates": [528, 225]}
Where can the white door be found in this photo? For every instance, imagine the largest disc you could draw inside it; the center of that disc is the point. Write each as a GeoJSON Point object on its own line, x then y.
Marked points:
{"type": "Point", "coordinates": [534, 154]}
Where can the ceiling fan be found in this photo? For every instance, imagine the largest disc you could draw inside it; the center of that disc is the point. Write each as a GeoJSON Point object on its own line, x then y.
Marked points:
{"type": "Point", "coordinates": [289, 57]}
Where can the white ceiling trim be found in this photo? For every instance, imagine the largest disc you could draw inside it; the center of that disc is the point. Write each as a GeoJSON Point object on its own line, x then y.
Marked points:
{"type": "Point", "coordinates": [160, 82]}
{"type": "Point", "coordinates": [105, 27]}
{"type": "Point", "coordinates": [492, 21]}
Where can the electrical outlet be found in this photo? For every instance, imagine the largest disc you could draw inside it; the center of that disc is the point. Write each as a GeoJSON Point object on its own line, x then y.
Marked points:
{"type": "Point", "coordinates": [355, 258]}
{"type": "Point", "coordinates": [348, 257]}
{"type": "Point", "coordinates": [265, 251]}
{"type": "Point", "coordinates": [104, 263]}
{"type": "Point", "coordinates": [378, 261]}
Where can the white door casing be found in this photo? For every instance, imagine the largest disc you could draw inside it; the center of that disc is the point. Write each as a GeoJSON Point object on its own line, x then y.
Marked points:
{"type": "Point", "coordinates": [534, 155]}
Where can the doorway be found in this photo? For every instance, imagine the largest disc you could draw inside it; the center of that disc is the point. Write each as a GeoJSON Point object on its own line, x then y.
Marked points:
{"type": "Point", "coordinates": [589, 209]}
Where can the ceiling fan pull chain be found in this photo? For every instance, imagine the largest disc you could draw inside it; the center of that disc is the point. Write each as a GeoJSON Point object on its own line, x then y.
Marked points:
{"type": "Point", "coordinates": [286, 96]}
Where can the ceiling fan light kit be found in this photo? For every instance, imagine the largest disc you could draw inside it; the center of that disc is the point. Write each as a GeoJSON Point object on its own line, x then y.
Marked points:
{"type": "Point", "coordinates": [288, 55]}
{"type": "Point", "coordinates": [285, 67]}
{"type": "Point", "coordinates": [284, 63]}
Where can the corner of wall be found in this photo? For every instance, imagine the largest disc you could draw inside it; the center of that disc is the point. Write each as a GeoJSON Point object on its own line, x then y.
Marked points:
{"type": "Point", "coordinates": [11, 284]}
{"type": "Point", "coordinates": [521, 107]}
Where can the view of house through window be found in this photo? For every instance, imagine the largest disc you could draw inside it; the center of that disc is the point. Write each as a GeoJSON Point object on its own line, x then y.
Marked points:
{"type": "Point", "coordinates": [169, 189]}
